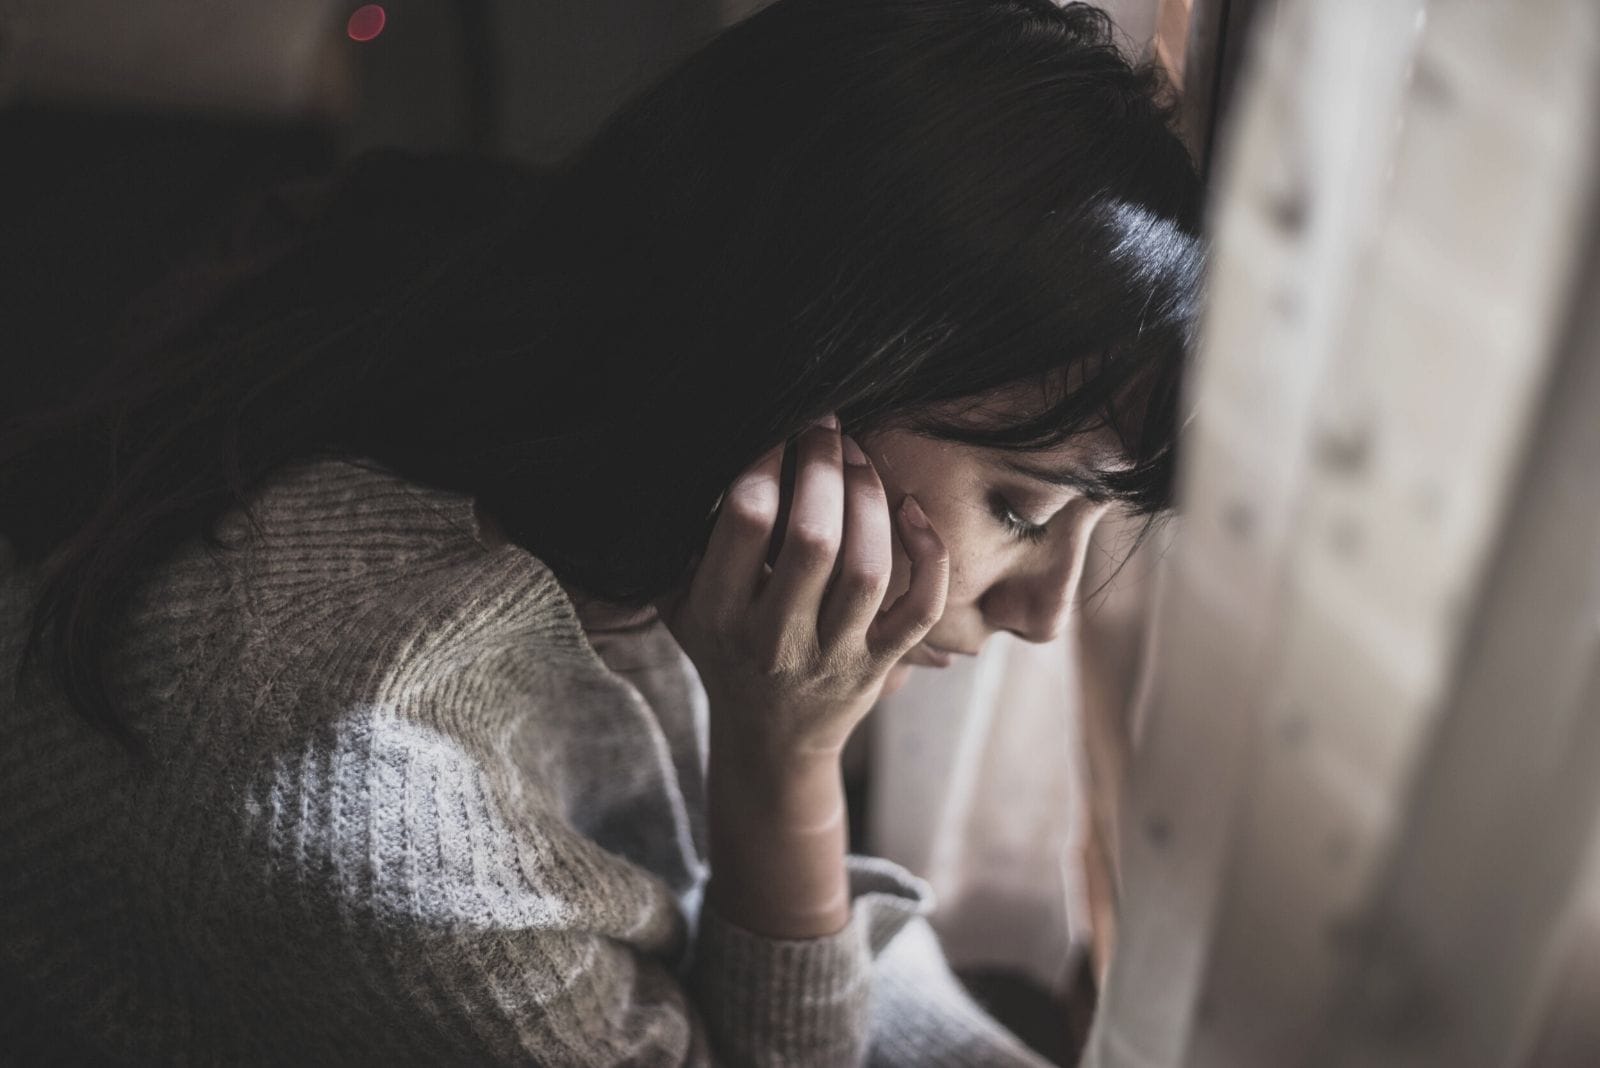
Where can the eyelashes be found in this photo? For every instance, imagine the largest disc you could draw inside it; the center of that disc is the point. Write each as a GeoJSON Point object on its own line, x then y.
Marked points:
{"type": "Point", "coordinates": [1018, 527]}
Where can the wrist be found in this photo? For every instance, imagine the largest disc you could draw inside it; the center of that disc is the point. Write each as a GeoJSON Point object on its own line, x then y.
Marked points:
{"type": "Point", "coordinates": [776, 741]}
{"type": "Point", "coordinates": [760, 781]}
{"type": "Point", "coordinates": [778, 837]}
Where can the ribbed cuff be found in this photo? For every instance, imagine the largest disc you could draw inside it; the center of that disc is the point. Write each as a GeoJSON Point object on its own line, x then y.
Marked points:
{"type": "Point", "coordinates": [792, 1002]}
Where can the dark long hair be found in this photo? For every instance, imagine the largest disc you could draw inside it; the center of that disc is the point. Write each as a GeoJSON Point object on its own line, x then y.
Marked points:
{"type": "Point", "coordinates": [861, 206]}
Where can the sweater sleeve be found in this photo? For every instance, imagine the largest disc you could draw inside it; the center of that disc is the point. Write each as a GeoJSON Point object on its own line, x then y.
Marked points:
{"type": "Point", "coordinates": [804, 1001]}
{"type": "Point", "coordinates": [412, 908]}
{"type": "Point", "coordinates": [776, 1002]}
{"type": "Point", "coordinates": [922, 1017]}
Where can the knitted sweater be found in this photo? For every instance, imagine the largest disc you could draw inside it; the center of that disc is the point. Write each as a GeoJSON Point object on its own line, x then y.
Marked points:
{"type": "Point", "coordinates": [397, 806]}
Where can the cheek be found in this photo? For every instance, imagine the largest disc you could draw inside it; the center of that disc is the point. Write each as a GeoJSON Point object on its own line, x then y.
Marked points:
{"type": "Point", "coordinates": [968, 556]}
{"type": "Point", "coordinates": [940, 483]}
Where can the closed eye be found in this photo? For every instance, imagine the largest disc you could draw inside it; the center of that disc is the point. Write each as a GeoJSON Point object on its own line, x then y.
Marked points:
{"type": "Point", "coordinates": [1017, 526]}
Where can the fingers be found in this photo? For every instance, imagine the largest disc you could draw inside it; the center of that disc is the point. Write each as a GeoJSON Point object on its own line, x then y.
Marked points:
{"type": "Point", "coordinates": [729, 574]}
{"type": "Point", "coordinates": [827, 583]}
{"type": "Point", "coordinates": [788, 605]}
{"type": "Point", "coordinates": [865, 560]}
{"type": "Point", "coordinates": [914, 613]}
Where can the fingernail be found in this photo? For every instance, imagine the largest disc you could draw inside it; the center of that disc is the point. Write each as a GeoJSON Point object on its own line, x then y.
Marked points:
{"type": "Point", "coordinates": [831, 421]}
{"type": "Point", "coordinates": [852, 452]}
{"type": "Point", "coordinates": [914, 513]}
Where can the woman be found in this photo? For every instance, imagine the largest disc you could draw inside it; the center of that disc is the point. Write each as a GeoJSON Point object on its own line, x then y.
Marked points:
{"type": "Point", "coordinates": [402, 643]}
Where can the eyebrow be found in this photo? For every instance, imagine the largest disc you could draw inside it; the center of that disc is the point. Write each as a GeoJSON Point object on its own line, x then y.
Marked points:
{"type": "Point", "coordinates": [1074, 478]}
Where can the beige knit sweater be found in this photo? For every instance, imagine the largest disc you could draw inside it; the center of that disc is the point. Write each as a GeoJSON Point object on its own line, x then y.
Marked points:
{"type": "Point", "coordinates": [399, 807]}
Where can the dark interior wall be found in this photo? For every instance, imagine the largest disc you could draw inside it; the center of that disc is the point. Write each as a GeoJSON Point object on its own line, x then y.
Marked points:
{"type": "Point", "coordinates": [98, 206]}
{"type": "Point", "coordinates": [563, 67]}
{"type": "Point", "coordinates": [139, 147]}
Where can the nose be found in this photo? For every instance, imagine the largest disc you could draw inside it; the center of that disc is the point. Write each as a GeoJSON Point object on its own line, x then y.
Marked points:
{"type": "Point", "coordinates": [1030, 606]}
{"type": "Point", "coordinates": [1034, 599]}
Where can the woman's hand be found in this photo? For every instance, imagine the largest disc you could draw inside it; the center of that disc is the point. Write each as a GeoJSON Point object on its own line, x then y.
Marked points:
{"type": "Point", "coordinates": [794, 655]}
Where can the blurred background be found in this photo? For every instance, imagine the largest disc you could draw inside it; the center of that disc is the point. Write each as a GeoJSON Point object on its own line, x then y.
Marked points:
{"type": "Point", "coordinates": [1313, 779]}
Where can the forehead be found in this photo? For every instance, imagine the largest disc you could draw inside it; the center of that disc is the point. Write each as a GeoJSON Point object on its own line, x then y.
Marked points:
{"type": "Point", "coordinates": [1097, 447]}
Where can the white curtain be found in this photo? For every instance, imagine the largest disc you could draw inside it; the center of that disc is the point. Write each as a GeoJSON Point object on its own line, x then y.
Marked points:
{"type": "Point", "coordinates": [976, 784]}
{"type": "Point", "coordinates": [997, 778]}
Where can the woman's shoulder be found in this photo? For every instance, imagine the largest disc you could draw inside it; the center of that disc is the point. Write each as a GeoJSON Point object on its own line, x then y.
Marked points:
{"type": "Point", "coordinates": [342, 500]}
{"type": "Point", "coordinates": [341, 563]}
{"type": "Point", "coordinates": [353, 521]}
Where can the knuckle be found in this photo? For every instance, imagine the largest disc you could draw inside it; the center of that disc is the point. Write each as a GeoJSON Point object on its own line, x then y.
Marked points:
{"type": "Point", "coordinates": [760, 489]}
{"type": "Point", "coordinates": [922, 616]}
{"type": "Point", "coordinates": [750, 514]}
{"type": "Point", "coordinates": [814, 467]}
{"type": "Point", "coordinates": [861, 582]}
{"type": "Point", "coordinates": [813, 541]}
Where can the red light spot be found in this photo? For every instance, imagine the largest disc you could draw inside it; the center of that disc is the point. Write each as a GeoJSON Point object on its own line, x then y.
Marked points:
{"type": "Point", "coordinates": [366, 23]}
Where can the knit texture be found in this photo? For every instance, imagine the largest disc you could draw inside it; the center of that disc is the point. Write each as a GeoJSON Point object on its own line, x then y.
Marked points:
{"type": "Point", "coordinates": [396, 805]}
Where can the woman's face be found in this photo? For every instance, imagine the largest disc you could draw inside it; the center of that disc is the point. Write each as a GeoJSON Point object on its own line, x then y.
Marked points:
{"type": "Point", "coordinates": [1003, 576]}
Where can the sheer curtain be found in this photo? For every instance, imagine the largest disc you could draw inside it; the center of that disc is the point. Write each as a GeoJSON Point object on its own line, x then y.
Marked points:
{"type": "Point", "coordinates": [996, 778]}
{"type": "Point", "coordinates": [975, 782]}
